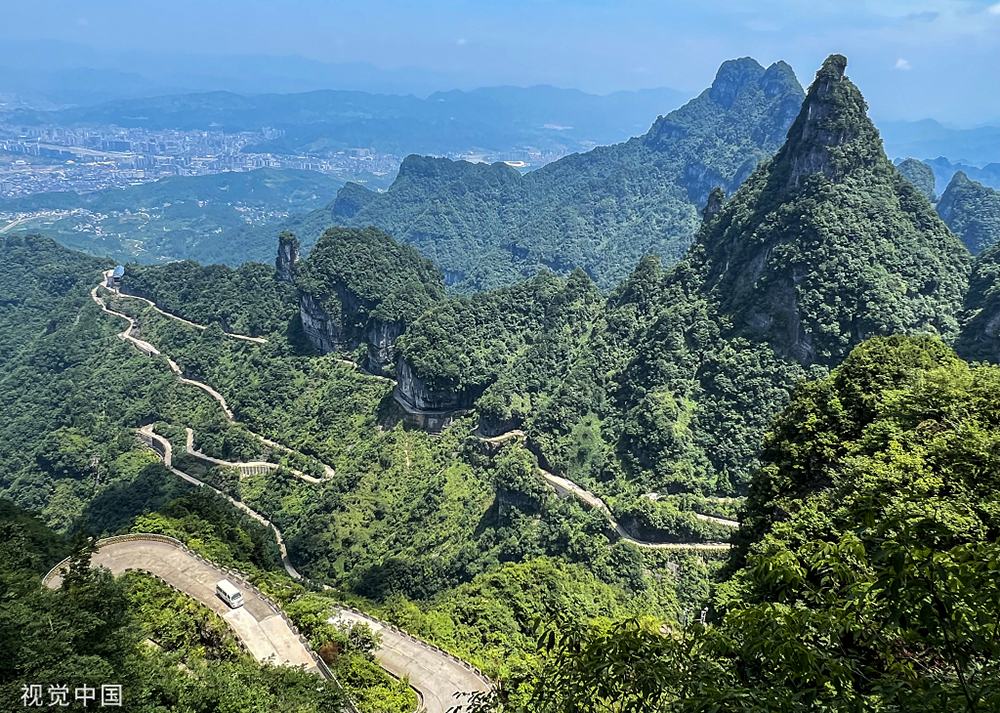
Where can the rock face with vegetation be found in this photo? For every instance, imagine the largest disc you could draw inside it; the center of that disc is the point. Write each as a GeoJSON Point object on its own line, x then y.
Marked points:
{"type": "Point", "coordinates": [288, 255]}
{"type": "Point", "coordinates": [602, 211]}
{"type": "Point", "coordinates": [920, 175]}
{"type": "Point", "coordinates": [826, 245]}
{"type": "Point", "coordinates": [980, 338]}
{"type": "Point", "coordinates": [669, 383]}
{"type": "Point", "coordinates": [972, 211]}
{"type": "Point", "coordinates": [360, 287]}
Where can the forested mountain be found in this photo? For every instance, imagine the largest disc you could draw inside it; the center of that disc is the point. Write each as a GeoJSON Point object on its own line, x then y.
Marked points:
{"type": "Point", "coordinates": [876, 477]}
{"type": "Point", "coordinates": [434, 534]}
{"type": "Point", "coordinates": [359, 287]}
{"type": "Point", "coordinates": [601, 211]}
{"type": "Point", "coordinates": [944, 170]}
{"type": "Point", "coordinates": [972, 211]}
{"type": "Point", "coordinates": [669, 386]}
{"type": "Point", "coordinates": [980, 338]}
{"type": "Point", "coordinates": [920, 175]}
{"type": "Point", "coordinates": [872, 533]}
{"type": "Point", "coordinates": [247, 300]}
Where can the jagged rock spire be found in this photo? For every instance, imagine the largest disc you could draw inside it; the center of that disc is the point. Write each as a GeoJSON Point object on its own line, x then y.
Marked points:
{"type": "Point", "coordinates": [715, 200]}
{"type": "Point", "coordinates": [288, 255]}
{"type": "Point", "coordinates": [832, 134]}
{"type": "Point", "coordinates": [813, 269]}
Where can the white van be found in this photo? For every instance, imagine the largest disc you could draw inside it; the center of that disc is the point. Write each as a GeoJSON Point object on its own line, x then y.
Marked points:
{"type": "Point", "coordinates": [228, 593]}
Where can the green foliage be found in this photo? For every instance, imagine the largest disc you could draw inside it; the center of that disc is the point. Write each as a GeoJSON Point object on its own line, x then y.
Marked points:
{"type": "Point", "coordinates": [247, 300]}
{"type": "Point", "coordinates": [167, 652]}
{"type": "Point", "coordinates": [871, 588]}
{"type": "Point", "coordinates": [972, 211]}
{"type": "Point", "coordinates": [602, 211]}
{"type": "Point", "coordinates": [391, 281]}
{"type": "Point", "coordinates": [465, 344]}
{"type": "Point", "coordinates": [980, 336]}
{"type": "Point", "coordinates": [920, 175]}
{"type": "Point", "coordinates": [210, 526]}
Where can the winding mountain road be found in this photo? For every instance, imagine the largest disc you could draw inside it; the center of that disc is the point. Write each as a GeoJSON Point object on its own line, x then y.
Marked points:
{"type": "Point", "coordinates": [440, 678]}
{"type": "Point", "coordinates": [150, 350]}
{"type": "Point", "coordinates": [437, 676]}
{"type": "Point", "coordinates": [256, 340]}
{"type": "Point", "coordinates": [246, 467]}
{"type": "Point", "coordinates": [565, 488]}
{"type": "Point", "coordinates": [265, 632]}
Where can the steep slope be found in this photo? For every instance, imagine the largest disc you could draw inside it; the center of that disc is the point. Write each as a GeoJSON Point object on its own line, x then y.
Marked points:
{"type": "Point", "coordinates": [601, 211]}
{"type": "Point", "coordinates": [980, 337]}
{"type": "Point", "coordinates": [877, 555]}
{"type": "Point", "coordinates": [972, 211]}
{"type": "Point", "coordinates": [827, 244]}
{"type": "Point", "coordinates": [920, 175]}
{"type": "Point", "coordinates": [824, 246]}
{"type": "Point", "coordinates": [360, 287]}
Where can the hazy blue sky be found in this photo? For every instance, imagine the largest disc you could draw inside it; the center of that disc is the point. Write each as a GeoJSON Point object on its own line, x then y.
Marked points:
{"type": "Point", "coordinates": [912, 59]}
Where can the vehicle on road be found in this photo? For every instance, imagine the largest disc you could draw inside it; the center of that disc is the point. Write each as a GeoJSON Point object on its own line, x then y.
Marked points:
{"type": "Point", "coordinates": [228, 593]}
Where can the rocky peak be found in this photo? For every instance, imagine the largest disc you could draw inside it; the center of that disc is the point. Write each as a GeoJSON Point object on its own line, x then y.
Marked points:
{"type": "Point", "coordinates": [832, 134]}
{"type": "Point", "coordinates": [779, 79]}
{"type": "Point", "coordinates": [288, 255]}
{"type": "Point", "coordinates": [733, 76]}
{"type": "Point", "coordinates": [714, 205]}
{"type": "Point", "coordinates": [920, 175]}
{"type": "Point", "coordinates": [813, 271]}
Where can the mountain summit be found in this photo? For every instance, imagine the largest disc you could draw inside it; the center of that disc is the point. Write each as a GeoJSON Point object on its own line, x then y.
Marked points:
{"type": "Point", "coordinates": [827, 244]}
{"type": "Point", "coordinates": [602, 211]}
{"type": "Point", "coordinates": [832, 134]}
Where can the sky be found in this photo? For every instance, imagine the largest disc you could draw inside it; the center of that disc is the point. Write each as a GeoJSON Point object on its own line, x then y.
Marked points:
{"type": "Point", "coordinates": [912, 59]}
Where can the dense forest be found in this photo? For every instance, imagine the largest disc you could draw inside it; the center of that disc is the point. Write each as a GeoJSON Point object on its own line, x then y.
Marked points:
{"type": "Point", "coordinates": [793, 368]}
{"type": "Point", "coordinates": [866, 573]}
{"type": "Point", "coordinates": [972, 210]}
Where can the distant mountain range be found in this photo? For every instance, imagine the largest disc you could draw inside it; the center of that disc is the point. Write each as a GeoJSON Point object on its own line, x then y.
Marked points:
{"type": "Point", "coordinates": [51, 74]}
{"type": "Point", "coordinates": [928, 139]}
{"type": "Point", "coordinates": [494, 119]}
{"type": "Point", "coordinates": [603, 210]}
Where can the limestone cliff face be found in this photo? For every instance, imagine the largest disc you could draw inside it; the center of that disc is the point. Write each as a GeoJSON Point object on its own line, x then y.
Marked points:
{"type": "Point", "coordinates": [492, 425]}
{"type": "Point", "coordinates": [827, 244]}
{"type": "Point", "coordinates": [359, 287]}
{"type": "Point", "coordinates": [832, 134]}
{"type": "Point", "coordinates": [342, 323]}
{"type": "Point", "coordinates": [288, 256]}
{"type": "Point", "coordinates": [323, 330]}
{"type": "Point", "coordinates": [381, 339]}
{"type": "Point", "coordinates": [419, 395]}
